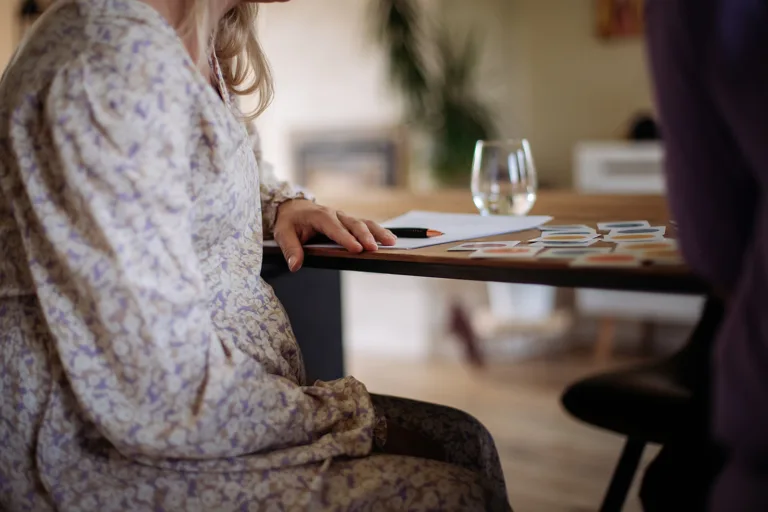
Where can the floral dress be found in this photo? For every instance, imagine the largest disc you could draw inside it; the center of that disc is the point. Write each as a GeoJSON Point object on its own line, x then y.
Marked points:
{"type": "Point", "coordinates": [144, 364]}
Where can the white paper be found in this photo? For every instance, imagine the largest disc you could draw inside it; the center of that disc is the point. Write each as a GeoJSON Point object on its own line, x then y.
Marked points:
{"type": "Point", "coordinates": [458, 227]}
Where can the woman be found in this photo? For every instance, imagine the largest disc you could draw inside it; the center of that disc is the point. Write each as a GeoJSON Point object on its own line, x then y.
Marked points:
{"type": "Point", "coordinates": [145, 365]}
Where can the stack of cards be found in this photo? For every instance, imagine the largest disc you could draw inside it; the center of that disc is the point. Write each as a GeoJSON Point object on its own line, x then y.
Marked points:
{"type": "Point", "coordinates": [646, 234]}
{"type": "Point", "coordinates": [582, 237]}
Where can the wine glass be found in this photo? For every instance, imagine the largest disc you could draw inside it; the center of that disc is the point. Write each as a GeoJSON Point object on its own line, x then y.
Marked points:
{"type": "Point", "coordinates": [503, 177]}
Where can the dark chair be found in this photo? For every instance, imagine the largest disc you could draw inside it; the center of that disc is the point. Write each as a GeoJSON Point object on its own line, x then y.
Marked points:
{"type": "Point", "coordinates": [651, 403]}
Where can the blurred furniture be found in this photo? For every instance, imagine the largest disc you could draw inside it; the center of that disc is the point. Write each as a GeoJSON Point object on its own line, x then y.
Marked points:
{"type": "Point", "coordinates": [626, 168]}
{"type": "Point", "coordinates": [658, 402]}
{"type": "Point", "coordinates": [361, 159]}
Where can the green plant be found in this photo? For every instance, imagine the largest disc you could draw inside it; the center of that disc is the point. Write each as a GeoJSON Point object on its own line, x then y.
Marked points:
{"type": "Point", "coordinates": [441, 102]}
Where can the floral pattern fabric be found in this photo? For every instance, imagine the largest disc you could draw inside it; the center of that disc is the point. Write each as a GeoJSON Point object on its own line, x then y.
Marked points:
{"type": "Point", "coordinates": [144, 364]}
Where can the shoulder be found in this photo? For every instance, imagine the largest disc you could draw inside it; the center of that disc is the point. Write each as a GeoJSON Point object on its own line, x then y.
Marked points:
{"type": "Point", "coordinates": [109, 52]}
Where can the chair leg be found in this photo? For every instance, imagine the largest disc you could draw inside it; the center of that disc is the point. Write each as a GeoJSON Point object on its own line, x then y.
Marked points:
{"type": "Point", "coordinates": [623, 476]}
{"type": "Point", "coordinates": [462, 327]}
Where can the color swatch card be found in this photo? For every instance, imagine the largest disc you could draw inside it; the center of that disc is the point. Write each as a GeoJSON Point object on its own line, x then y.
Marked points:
{"type": "Point", "coordinates": [564, 243]}
{"type": "Point", "coordinates": [566, 227]}
{"type": "Point", "coordinates": [559, 236]}
{"type": "Point", "coordinates": [508, 253]}
{"type": "Point", "coordinates": [476, 246]}
{"type": "Point", "coordinates": [657, 230]}
{"type": "Point", "coordinates": [607, 260]}
{"type": "Point", "coordinates": [569, 254]}
{"type": "Point", "coordinates": [574, 232]}
{"type": "Point", "coordinates": [655, 245]}
{"type": "Point", "coordinates": [637, 237]}
{"type": "Point", "coordinates": [625, 224]}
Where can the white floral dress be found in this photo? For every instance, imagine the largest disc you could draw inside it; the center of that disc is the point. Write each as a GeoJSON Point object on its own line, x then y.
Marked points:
{"type": "Point", "coordinates": [144, 364]}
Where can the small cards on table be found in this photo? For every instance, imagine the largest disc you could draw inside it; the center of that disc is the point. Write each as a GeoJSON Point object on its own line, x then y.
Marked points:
{"type": "Point", "coordinates": [613, 259]}
{"type": "Point", "coordinates": [636, 234]}
{"type": "Point", "coordinates": [476, 246]}
{"type": "Point", "coordinates": [653, 245]}
{"type": "Point", "coordinates": [507, 253]}
{"type": "Point", "coordinates": [565, 227]}
{"type": "Point", "coordinates": [571, 253]}
{"type": "Point", "coordinates": [624, 224]}
{"type": "Point", "coordinates": [629, 244]}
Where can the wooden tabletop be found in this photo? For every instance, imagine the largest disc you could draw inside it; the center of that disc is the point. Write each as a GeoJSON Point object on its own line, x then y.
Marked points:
{"type": "Point", "coordinates": [565, 207]}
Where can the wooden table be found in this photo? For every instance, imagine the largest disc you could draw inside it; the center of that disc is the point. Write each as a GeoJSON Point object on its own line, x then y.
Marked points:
{"type": "Point", "coordinates": [565, 207]}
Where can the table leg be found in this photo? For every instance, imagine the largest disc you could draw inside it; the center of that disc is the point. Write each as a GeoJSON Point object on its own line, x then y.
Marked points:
{"type": "Point", "coordinates": [606, 336]}
{"type": "Point", "coordinates": [312, 299]}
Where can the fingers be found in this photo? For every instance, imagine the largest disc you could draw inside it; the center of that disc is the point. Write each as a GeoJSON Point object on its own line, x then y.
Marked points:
{"type": "Point", "coordinates": [333, 227]}
{"type": "Point", "coordinates": [288, 240]}
{"type": "Point", "coordinates": [360, 230]}
{"type": "Point", "coordinates": [381, 234]}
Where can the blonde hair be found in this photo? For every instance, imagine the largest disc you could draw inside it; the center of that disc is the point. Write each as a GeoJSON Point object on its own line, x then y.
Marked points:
{"type": "Point", "coordinates": [236, 46]}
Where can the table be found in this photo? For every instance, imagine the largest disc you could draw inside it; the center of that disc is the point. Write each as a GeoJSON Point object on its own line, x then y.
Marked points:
{"type": "Point", "coordinates": [312, 297]}
{"type": "Point", "coordinates": [565, 207]}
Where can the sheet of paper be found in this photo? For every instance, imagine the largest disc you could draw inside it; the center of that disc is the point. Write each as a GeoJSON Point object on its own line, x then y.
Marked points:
{"type": "Point", "coordinates": [458, 227]}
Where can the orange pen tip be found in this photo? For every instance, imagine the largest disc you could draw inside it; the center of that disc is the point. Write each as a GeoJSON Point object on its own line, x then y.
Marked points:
{"type": "Point", "coordinates": [433, 233]}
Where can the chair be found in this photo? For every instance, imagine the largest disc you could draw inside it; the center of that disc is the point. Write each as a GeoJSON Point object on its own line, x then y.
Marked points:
{"type": "Point", "coordinates": [651, 403]}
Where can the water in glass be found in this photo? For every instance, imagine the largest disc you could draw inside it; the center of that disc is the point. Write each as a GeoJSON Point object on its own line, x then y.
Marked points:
{"type": "Point", "coordinates": [503, 177]}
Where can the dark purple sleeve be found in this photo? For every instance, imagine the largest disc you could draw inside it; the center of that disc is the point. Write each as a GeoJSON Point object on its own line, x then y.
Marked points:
{"type": "Point", "coordinates": [698, 51]}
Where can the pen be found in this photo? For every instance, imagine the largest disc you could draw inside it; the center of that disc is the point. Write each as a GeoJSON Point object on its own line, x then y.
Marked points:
{"type": "Point", "coordinates": [398, 232]}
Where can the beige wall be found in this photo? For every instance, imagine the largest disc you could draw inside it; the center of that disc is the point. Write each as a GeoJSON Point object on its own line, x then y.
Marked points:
{"type": "Point", "coordinates": [543, 72]}
{"type": "Point", "coordinates": [328, 73]}
{"type": "Point", "coordinates": [8, 30]}
{"type": "Point", "coordinates": [580, 87]}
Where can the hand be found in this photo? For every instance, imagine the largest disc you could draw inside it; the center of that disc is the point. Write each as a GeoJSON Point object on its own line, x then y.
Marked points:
{"type": "Point", "coordinates": [299, 220]}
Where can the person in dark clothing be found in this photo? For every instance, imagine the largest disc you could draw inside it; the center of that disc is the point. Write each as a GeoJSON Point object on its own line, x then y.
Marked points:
{"type": "Point", "coordinates": [708, 59]}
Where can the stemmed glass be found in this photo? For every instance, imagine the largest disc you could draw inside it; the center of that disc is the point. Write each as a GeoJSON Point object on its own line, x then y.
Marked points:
{"type": "Point", "coordinates": [503, 177]}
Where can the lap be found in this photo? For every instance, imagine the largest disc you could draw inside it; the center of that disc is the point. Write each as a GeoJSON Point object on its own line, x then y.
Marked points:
{"type": "Point", "coordinates": [394, 482]}
{"type": "Point", "coordinates": [467, 443]}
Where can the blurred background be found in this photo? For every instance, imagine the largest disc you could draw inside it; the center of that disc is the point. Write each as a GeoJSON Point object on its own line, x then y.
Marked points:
{"type": "Point", "coordinates": [378, 106]}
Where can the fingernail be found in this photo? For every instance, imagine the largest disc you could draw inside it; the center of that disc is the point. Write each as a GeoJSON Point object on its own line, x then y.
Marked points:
{"type": "Point", "coordinates": [292, 263]}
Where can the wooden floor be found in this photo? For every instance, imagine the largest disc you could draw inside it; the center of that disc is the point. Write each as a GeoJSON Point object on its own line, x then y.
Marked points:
{"type": "Point", "coordinates": [551, 462]}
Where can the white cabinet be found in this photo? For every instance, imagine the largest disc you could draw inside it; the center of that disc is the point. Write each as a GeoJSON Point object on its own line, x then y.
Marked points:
{"type": "Point", "coordinates": [627, 168]}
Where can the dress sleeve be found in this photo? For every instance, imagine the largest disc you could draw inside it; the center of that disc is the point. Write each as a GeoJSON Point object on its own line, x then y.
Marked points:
{"type": "Point", "coordinates": [102, 197]}
{"type": "Point", "coordinates": [274, 192]}
{"type": "Point", "coordinates": [713, 195]}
